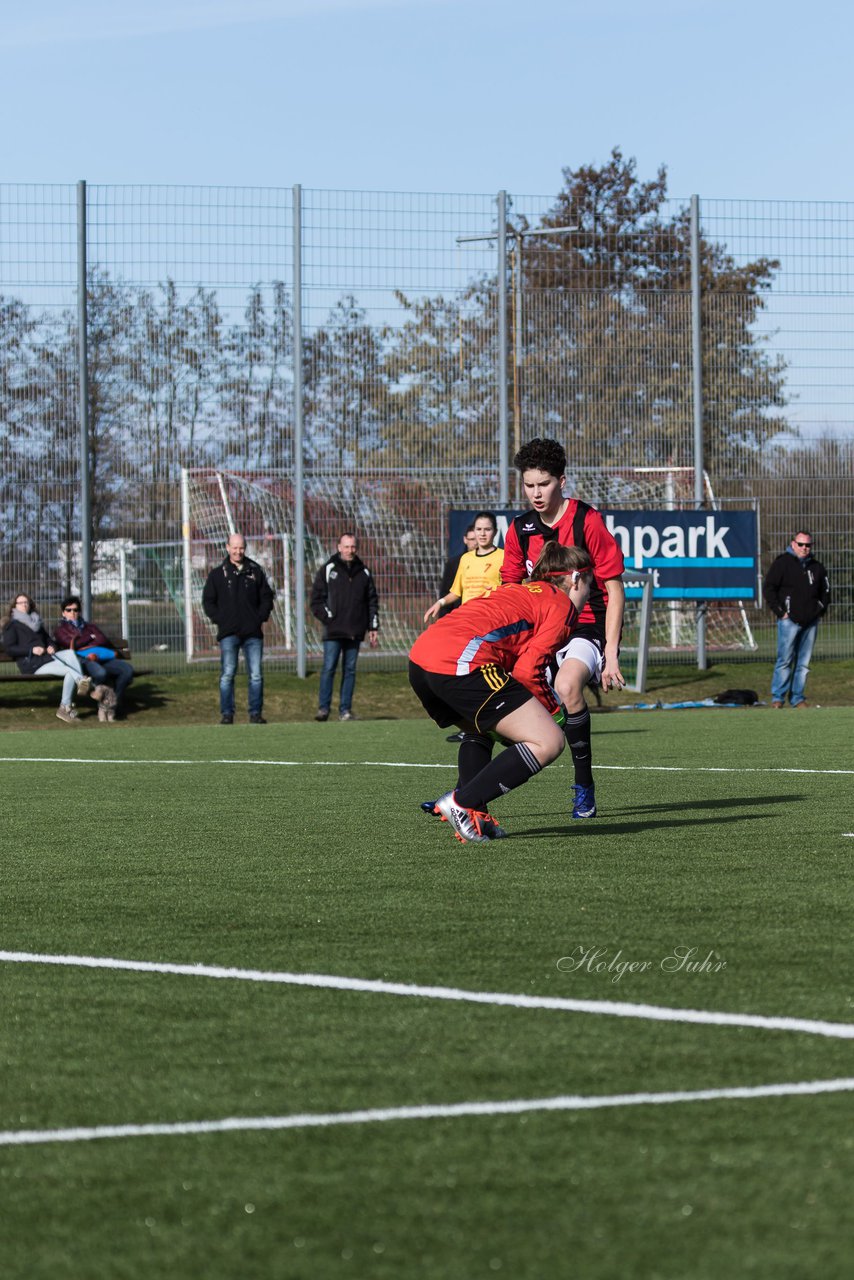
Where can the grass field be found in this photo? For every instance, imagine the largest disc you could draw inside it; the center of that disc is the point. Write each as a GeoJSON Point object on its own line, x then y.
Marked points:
{"type": "Point", "coordinates": [483, 976]}
{"type": "Point", "coordinates": [380, 695]}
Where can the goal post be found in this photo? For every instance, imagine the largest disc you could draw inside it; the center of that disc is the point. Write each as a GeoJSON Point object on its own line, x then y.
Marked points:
{"type": "Point", "coordinates": [395, 515]}
{"type": "Point", "coordinates": [647, 580]}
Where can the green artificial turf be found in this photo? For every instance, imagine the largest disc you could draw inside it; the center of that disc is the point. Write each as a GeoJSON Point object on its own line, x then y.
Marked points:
{"type": "Point", "coordinates": [198, 846]}
{"type": "Point", "coordinates": [160, 700]}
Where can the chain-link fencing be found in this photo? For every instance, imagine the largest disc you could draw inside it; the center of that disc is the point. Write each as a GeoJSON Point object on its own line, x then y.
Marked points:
{"type": "Point", "coordinates": [426, 357]}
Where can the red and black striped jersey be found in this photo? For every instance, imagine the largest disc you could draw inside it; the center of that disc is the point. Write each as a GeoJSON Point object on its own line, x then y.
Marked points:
{"type": "Point", "coordinates": [579, 526]}
{"type": "Point", "coordinates": [519, 628]}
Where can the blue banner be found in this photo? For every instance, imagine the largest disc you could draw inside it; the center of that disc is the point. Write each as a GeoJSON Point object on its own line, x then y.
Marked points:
{"type": "Point", "coordinates": [692, 555]}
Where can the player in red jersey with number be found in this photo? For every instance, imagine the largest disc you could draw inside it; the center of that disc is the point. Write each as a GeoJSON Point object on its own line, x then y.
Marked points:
{"type": "Point", "coordinates": [484, 667]}
{"type": "Point", "coordinates": [592, 654]}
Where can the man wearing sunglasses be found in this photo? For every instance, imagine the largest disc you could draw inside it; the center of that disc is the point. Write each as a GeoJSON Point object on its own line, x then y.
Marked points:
{"type": "Point", "coordinates": [798, 591]}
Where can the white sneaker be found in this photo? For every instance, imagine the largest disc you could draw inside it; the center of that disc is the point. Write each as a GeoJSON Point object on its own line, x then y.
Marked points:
{"type": "Point", "coordinates": [83, 686]}
{"type": "Point", "coordinates": [466, 822]}
{"type": "Point", "coordinates": [488, 826]}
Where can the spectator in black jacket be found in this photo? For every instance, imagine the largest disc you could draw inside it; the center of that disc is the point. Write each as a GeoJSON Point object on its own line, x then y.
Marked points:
{"type": "Point", "coordinates": [798, 591]}
{"type": "Point", "coordinates": [238, 598]}
{"type": "Point", "coordinates": [344, 599]}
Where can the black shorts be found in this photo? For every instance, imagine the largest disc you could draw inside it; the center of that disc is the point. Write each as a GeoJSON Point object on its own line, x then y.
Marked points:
{"type": "Point", "coordinates": [482, 698]}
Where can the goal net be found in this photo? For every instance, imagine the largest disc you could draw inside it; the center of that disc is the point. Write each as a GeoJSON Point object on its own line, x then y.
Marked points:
{"type": "Point", "coordinates": [399, 521]}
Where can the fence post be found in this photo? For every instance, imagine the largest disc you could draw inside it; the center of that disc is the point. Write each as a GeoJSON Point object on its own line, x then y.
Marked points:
{"type": "Point", "coordinates": [503, 417]}
{"type": "Point", "coordinates": [83, 389]}
{"type": "Point", "coordinates": [123, 593]}
{"type": "Point", "coordinates": [188, 564]}
{"type": "Point", "coordinates": [697, 396]}
{"type": "Point", "coordinates": [648, 580]}
{"type": "Point", "coordinates": [299, 494]}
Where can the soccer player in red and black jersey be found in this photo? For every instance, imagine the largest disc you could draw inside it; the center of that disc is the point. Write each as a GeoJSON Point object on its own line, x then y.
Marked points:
{"type": "Point", "coordinates": [485, 668]}
{"type": "Point", "coordinates": [592, 654]}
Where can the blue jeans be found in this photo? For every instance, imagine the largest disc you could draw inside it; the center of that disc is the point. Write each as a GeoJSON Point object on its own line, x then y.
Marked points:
{"type": "Point", "coordinates": [794, 650]}
{"type": "Point", "coordinates": [332, 651]}
{"type": "Point", "coordinates": [65, 664]}
{"type": "Point", "coordinates": [253, 652]}
{"type": "Point", "coordinates": [118, 668]}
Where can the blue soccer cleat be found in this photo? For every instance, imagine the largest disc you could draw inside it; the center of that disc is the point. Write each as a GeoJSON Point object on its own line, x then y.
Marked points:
{"type": "Point", "coordinates": [584, 802]}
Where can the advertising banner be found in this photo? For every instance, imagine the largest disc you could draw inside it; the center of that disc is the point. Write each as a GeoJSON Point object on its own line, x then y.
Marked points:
{"type": "Point", "coordinates": [693, 555]}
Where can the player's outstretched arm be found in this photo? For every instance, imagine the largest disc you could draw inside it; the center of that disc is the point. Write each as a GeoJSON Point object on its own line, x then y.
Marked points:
{"type": "Point", "coordinates": [612, 676]}
{"type": "Point", "coordinates": [434, 610]}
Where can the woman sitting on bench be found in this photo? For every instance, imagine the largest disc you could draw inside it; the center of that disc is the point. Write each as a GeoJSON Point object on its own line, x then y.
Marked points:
{"type": "Point", "coordinates": [26, 640]}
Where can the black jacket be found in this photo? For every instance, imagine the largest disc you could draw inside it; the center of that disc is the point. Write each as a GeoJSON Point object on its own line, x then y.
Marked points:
{"type": "Point", "coordinates": [344, 599]}
{"type": "Point", "coordinates": [18, 641]}
{"type": "Point", "coordinates": [448, 574]}
{"type": "Point", "coordinates": [799, 588]}
{"type": "Point", "coordinates": [238, 601]}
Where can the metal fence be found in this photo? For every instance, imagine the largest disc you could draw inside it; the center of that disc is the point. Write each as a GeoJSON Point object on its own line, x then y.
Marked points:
{"type": "Point", "coordinates": [386, 353]}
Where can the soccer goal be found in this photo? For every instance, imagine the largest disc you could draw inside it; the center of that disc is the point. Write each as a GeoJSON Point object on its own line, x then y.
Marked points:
{"type": "Point", "coordinates": [397, 517]}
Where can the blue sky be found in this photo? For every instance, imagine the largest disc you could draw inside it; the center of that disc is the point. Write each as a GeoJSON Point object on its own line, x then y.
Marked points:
{"type": "Point", "coordinates": [739, 99]}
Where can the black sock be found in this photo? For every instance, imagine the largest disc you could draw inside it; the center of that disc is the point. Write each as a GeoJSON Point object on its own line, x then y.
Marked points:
{"type": "Point", "coordinates": [577, 730]}
{"type": "Point", "coordinates": [475, 754]}
{"type": "Point", "coordinates": [509, 770]}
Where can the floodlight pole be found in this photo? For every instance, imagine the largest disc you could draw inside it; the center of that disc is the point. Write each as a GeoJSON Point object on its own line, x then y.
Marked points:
{"type": "Point", "coordinates": [503, 417]}
{"type": "Point", "coordinates": [517, 349]}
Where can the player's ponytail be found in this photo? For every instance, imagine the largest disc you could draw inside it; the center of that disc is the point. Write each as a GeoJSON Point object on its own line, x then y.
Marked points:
{"type": "Point", "coordinates": [556, 561]}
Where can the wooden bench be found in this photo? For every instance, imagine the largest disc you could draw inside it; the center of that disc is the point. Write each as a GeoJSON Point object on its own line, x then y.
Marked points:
{"type": "Point", "coordinates": [9, 667]}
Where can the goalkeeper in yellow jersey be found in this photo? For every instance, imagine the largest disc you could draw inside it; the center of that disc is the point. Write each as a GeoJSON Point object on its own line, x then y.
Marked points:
{"type": "Point", "coordinates": [479, 571]}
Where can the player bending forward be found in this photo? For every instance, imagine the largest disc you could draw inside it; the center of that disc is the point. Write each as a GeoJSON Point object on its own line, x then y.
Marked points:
{"type": "Point", "coordinates": [592, 654]}
{"type": "Point", "coordinates": [485, 668]}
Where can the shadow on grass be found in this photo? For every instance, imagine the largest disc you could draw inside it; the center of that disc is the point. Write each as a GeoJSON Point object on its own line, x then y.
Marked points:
{"type": "Point", "coordinates": [594, 830]}
{"type": "Point", "coordinates": [613, 729]}
{"type": "Point", "coordinates": [142, 698]}
{"type": "Point", "coordinates": [37, 695]}
{"type": "Point", "coordinates": [728, 802]}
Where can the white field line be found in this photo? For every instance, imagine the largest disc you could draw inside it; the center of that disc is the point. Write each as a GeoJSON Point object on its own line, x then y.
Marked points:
{"type": "Point", "coordinates": [28, 1137]}
{"type": "Point", "coordinates": [336, 982]}
{"type": "Point", "coordinates": [400, 764]}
